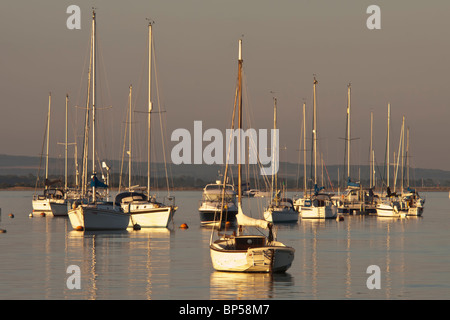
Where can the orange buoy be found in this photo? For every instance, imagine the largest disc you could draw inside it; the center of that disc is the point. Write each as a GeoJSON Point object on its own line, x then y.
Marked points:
{"type": "Point", "coordinates": [42, 214]}
{"type": "Point", "coordinates": [11, 215]}
{"type": "Point", "coordinates": [184, 226]}
{"type": "Point", "coordinates": [2, 231]}
{"type": "Point", "coordinates": [79, 228]}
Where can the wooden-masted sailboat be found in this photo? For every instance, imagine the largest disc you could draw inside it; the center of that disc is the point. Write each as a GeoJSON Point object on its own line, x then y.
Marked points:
{"type": "Point", "coordinates": [316, 205]}
{"type": "Point", "coordinates": [93, 214]}
{"type": "Point", "coordinates": [144, 210]}
{"type": "Point", "coordinates": [279, 209]}
{"type": "Point", "coordinates": [53, 200]}
{"type": "Point", "coordinates": [248, 253]}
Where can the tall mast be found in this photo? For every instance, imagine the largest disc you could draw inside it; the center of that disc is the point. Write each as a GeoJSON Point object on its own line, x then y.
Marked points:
{"type": "Point", "coordinates": [129, 141]}
{"type": "Point", "coordinates": [274, 175]}
{"type": "Point", "coordinates": [304, 146]}
{"type": "Point", "coordinates": [348, 130]}
{"type": "Point", "coordinates": [371, 150]}
{"type": "Point", "coordinates": [240, 61]}
{"type": "Point", "coordinates": [407, 157]}
{"type": "Point", "coordinates": [93, 101]}
{"type": "Point", "coordinates": [65, 151]}
{"type": "Point", "coordinates": [315, 131]}
{"type": "Point", "coordinates": [149, 104]}
{"type": "Point", "coordinates": [48, 137]}
{"type": "Point", "coordinates": [387, 142]}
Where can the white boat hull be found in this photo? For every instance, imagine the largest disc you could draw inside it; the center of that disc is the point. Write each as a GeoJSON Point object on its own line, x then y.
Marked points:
{"type": "Point", "coordinates": [147, 216]}
{"type": "Point", "coordinates": [387, 210]}
{"type": "Point", "coordinates": [98, 217]}
{"type": "Point", "coordinates": [48, 206]}
{"type": "Point", "coordinates": [325, 212]}
{"type": "Point", "coordinates": [415, 211]}
{"type": "Point", "coordinates": [274, 215]}
{"type": "Point", "coordinates": [264, 259]}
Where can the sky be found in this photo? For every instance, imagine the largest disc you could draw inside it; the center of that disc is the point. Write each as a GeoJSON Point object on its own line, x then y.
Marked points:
{"type": "Point", "coordinates": [285, 44]}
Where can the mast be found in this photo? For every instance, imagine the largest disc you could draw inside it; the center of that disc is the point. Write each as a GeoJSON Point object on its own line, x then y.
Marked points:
{"type": "Point", "coordinates": [371, 149]}
{"type": "Point", "coordinates": [129, 142]}
{"type": "Point", "coordinates": [387, 142]}
{"type": "Point", "coordinates": [274, 175]}
{"type": "Point", "coordinates": [304, 147]}
{"type": "Point", "coordinates": [65, 151]}
{"type": "Point", "coordinates": [240, 61]}
{"type": "Point", "coordinates": [315, 132]}
{"type": "Point", "coordinates": [407, 157]}
{"type": "Point", "coordinates": [48, 138]}
{"type": "Point", "coordinates": [149, 105]}
{"type": "Point", "coordinates": [93, 102]}
{"type": "Point", "coordinates": [348, 130]}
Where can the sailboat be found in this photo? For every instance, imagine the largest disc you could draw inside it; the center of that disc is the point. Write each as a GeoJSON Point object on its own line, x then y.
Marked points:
{"type": "Point", "coordinates": [280, 209]}
{"type": "Point", "coordinates": [52, 201]}
{"type": "Point", "coordinates": [248, 253]}
{"type": "Point", "coordinates": [91, 213]}
{"type": "Point", "coordinates": [390, 205]}
{"type": "Point", "coordinates": [356, 199]}
{"type": "Point", "coordinates": [317, 205]}
{"type": "Point", "coordinates": [145, 210]}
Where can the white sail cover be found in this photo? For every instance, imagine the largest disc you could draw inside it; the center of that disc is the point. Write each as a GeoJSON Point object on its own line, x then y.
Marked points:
{"type": "Point", "coordinates": [244, 220]}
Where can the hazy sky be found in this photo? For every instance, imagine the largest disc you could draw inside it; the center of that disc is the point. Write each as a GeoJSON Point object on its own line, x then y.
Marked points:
{"type": "Point", "coordinates": [406, 63]}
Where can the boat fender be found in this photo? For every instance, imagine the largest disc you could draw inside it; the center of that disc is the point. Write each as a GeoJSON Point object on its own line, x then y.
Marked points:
{"type": "Point", "coordinates": [395, 209]}
{"type": "Point", "coordinates": [74, 205]}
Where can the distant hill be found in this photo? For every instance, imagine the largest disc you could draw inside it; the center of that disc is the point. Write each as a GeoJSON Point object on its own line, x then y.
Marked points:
{"type": "Point", "coordinates": [293, 173]}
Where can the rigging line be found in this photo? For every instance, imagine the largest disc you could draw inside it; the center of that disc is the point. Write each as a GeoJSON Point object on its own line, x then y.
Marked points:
{"type": "Point", "coordinates": [160, 119]}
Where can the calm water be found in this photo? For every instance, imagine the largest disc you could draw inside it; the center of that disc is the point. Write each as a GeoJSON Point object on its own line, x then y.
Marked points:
{"type": "Point", "coordinates": [331, 258]}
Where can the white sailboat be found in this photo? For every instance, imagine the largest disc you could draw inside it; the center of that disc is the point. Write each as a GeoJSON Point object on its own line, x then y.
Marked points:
{"type": "Point", "coordinates": [52, 201]}
{"type": "Point", "coordinates": [145, 211]}
{"type": "Point", "coordinates": [391, 204]}
{"type": "Point", "coordinates": [94, 214]}
{"type": "Point", "coordinates": [279, 209]}
{"type": "Point", "coordinates": [298, 202]}
{"type": "Point", "coordinates": [248, 253]}
{"type": "Point", "coordinates": [316, 205]}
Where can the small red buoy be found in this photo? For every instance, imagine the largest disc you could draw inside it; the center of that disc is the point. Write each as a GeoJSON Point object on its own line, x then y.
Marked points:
{"type": "Point", "coordinates": [184, 226]}
{"type": "Point", "coordinates": [340, 218]}
{"type": "Point", "coordinates": [42, 214]}
{"type": "Point", "coordinates": [2, 231]}
{"type": "Point", "coordinates": [79, 228]}
{"type": "Point", "coordinates": [11, 215]}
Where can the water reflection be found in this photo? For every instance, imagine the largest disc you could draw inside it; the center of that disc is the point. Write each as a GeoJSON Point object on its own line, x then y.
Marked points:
{"type": "Point", "coordinates": [242, 286]}
{"type": "Point", "coordinates": [123, 264]}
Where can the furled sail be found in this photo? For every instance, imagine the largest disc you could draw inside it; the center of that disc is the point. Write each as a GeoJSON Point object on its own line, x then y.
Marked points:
{"type": "Point", "coordinates": [244, 220]}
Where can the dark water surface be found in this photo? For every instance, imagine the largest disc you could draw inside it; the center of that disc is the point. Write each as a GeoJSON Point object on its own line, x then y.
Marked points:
{"type": "Point", "coordinates": [331, 258]}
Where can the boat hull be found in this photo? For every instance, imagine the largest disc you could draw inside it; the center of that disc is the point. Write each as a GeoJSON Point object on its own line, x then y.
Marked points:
{"type": "Point", "coordinates": [212, 217]}
{"type": "Point", "coordinates": [387, 210]}
{"type": "Point", "coordinates": [148, 216]}
{"type": "Point", "coordinates": [98, 217]}
{"type": "Point", "coordinates": [50, 207]}
{"type": "Point", "coordinates": [281, 215]}
{"type": "Point", "coordinates": [267, 259]}
{"type": "Point", "coordinates": [415, 211]}
{"type": "Point", "coordinates": [325, 212]}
